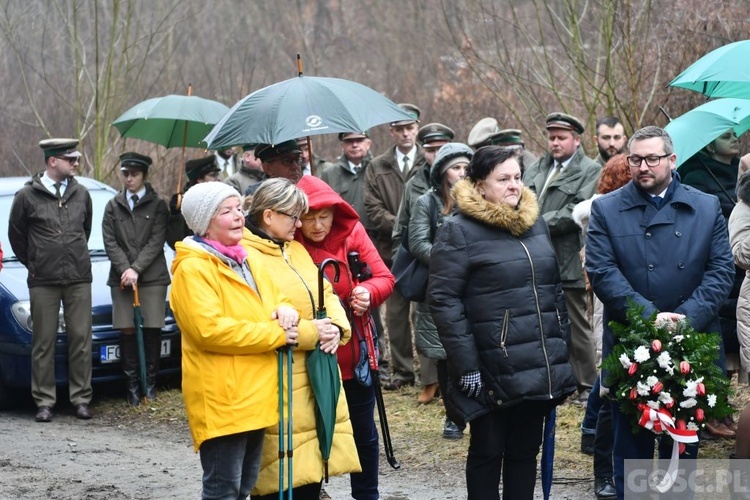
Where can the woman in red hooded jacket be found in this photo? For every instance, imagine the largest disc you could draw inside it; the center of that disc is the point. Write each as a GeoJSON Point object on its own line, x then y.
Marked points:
{"type": "Point", "coordinates": [331, 229]}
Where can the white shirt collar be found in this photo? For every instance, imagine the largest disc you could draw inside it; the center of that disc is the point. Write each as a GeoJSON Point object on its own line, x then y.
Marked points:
{"type": "Point", "coordinates": [50, 184]}
{"type": "Point", "coordinates": [411, 155]}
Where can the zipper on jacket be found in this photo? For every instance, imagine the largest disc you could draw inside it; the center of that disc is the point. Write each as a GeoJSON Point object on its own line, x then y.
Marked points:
{"type": "Point", "coordinates": [504, 332]}
{"type": "Point", "coordinates": [304, 283]}
{"type": "Point", "coordinates": [539, 317]}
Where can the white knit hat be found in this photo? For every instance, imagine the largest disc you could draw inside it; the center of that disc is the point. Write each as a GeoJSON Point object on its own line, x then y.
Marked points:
{"type": "Point", "coordinates": [201, 201]}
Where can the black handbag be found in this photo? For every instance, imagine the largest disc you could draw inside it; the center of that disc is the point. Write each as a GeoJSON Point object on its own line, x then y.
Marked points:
{"type": "Point", "coordinates": [411, 275]}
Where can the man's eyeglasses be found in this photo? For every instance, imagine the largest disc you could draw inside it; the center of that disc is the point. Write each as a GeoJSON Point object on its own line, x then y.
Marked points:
{"type": "Point", "coordinates": [651, 161]}
{"type": "Point", "coordinates": [288, 161]}
{"type": "Point", "coordinates": [70, 160]}
{"type": "Point", "coordinates": [294, 218]}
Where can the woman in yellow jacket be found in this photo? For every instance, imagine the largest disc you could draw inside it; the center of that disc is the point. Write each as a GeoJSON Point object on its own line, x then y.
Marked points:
{"type": "Point", "coordinates": [233, 317]}
{"type": "Point", "coordinates": [272, 221]}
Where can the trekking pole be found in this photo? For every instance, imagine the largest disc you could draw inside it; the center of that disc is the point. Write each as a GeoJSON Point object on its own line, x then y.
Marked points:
{"type": "Point", "coordinates": [290, 439]}
{"type": "Point", "coordinates": [356, 266]}
{"type": "Point", "coordinates": [280, 353]}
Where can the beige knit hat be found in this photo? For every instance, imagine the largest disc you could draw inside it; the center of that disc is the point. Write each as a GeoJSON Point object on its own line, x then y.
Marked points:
{"type": "Point", "coordinates": [200, 203]}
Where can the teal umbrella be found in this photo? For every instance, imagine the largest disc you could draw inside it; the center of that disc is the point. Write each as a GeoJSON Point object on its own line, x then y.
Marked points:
{"type": "Point", "coordinates": [323, 371]}
{"type": "Point", "coordinates": [696, 128]}
{"type": "Point", "coordinates": [172, 121]}
{"type": "Point", "coordinates": [303, 106]}
{"type": "Point", "coordinates": [138, 322]}
{"type": "Point", "coordinates": [723, 72]}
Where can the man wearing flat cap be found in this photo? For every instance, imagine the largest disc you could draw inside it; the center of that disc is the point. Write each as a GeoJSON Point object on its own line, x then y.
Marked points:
{"type": "Point", "coordinates": [384, 190]}
{"type": "Point", "coordinates": [134, 229]}
{"type": "Point", "coordinates": [431, 137]}
{"type": "Point", "coordinates": [250, 171]}
{"type": "Point", "coordinates": [278, 160]}
{"type": "Point", "coordinates": [198, 171]}
{"type": "Point", "coordinates": [561, 179]}
{"type": "Point", "coordinates": [49, 227]}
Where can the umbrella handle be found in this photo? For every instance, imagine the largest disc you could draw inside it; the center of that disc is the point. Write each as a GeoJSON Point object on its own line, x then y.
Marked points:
{"type": "Point", "coordinates": [136, 297]}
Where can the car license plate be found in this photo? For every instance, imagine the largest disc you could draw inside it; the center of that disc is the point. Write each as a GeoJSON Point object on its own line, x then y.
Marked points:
{"type": "Point", "coordinates": [111, 353]}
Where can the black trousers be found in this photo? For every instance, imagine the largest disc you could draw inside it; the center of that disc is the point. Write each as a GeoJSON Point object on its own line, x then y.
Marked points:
{"type": "Point", "coordinates": [505, 442]}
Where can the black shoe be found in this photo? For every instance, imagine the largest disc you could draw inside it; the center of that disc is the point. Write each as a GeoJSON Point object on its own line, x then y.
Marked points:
{"type": "Point", "coordinates": [587, 444]}
{"type": "Point", "coordinates": [83, 411]}
{"type": "Point", "coordinates": [44, 414]}
{"type": "Point", "coordinates": [451, 430]}
{"type": "Point", "coordinates": [605, 488]}
{"type": "Point", "coordinates": [397, 384]}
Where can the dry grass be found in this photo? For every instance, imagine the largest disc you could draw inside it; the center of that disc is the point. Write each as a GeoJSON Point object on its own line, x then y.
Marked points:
{"type": "Point", "coordinates": [416, 431]}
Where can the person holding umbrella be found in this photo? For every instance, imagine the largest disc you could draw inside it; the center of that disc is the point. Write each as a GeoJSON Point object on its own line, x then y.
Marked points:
{"type": "Point", "coordinates": [134, 229]}
{"type": "Point", "coordinates": [233, 317]}
{"type": "Point", "coordinates": [272, 220]}
{"type": "Point", "coordinates": [714, 170]}
{"type": "Point", "coordinates": [496, 297]}
{"type": "Point", "coordinates": [330, 230]}
{"type": "Point", "coordinates": [198, 171]}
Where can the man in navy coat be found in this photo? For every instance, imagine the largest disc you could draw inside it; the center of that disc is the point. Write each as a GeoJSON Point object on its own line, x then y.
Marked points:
{"type": "Point", "coordinates": [664, 246]}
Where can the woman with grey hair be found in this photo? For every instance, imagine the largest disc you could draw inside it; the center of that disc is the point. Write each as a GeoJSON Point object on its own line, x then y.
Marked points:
{"type": "Point", "coordinates": [272, 220]}
{"type": "Point", "coordinates": [233, 317]}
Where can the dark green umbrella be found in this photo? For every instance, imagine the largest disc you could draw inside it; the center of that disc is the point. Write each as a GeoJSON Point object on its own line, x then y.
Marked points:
{"type": "Point", "coordinates": [323, 370]}
{"type": "Point", "coordinates": [138, 322]}
{"type": "Point", "coordinates": [303, 106]}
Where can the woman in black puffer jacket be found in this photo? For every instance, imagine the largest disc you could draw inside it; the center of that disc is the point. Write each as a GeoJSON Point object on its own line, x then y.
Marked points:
{"type": "Point", "coordinates": [496, 298]}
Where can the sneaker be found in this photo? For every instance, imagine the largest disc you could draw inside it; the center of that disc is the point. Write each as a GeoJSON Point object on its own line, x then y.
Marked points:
{"type": "Point", "coordinates": [451, 430]}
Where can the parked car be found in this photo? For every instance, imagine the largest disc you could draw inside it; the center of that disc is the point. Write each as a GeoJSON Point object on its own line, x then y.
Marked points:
{"type": "Point", "coordinates": [15, 310]}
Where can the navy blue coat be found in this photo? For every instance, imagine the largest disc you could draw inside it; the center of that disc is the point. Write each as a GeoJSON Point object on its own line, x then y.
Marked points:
{"type": "Point", "coordinates": [676, 259]}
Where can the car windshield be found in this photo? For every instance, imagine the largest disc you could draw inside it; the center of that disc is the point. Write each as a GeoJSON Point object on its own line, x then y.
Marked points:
{"type": "Point", "coordinates": [99, 198]}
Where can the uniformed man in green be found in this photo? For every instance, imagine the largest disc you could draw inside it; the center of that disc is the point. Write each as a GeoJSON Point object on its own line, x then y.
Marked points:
{"type": "Point", "coordinates": [49, 229]}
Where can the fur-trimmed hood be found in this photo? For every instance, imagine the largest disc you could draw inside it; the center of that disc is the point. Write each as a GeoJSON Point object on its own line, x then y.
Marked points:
{"type": "Point", "coordinates": [516, 220]}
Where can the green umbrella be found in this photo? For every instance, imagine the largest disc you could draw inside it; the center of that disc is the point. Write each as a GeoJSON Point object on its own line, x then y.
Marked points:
{"type": "Point", "coordinates": [696, 128]}
{"type": "Point", "coordinates": [723, 72]}
{"type": "Point", "coordinates": [303, 106]}
{"type": "Point", "coordinates": [138, 322]}
{"type": "Point", "coordinates": [172, 121]}
{"type": "Point", "coordinates": [323, 370]}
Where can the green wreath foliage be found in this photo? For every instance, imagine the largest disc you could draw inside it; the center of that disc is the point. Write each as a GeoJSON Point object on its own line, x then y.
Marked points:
{"type": "Point", "coordinates": [639, 358]}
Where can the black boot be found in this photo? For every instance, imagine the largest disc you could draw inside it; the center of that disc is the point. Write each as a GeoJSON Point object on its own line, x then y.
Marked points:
{"type": "Point", "coordinates": [152, 339]}
{"type": "Point", "coordinates": [129, 361]}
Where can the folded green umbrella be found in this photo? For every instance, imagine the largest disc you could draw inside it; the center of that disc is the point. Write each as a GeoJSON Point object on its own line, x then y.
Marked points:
{"type": "Point", "coordinates": [323, 371]}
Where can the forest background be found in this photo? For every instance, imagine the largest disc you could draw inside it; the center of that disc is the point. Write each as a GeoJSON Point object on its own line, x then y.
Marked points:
{"type": "Point", "coordinates": [71, 67]}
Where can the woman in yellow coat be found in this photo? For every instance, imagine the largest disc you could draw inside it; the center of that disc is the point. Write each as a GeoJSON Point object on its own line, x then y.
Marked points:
{"type": "Point", "coordinates": [233, 318]}
{"type": "Point", "coordinates": [272, 221]}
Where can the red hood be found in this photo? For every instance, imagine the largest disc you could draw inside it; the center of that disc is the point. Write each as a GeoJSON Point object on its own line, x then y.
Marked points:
{"type": "Point", "coordinates": [321, 195]}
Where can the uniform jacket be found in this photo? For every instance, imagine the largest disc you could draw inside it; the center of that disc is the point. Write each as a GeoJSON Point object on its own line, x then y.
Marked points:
{"type": "Point", "coordinates": [347, 235]}
{"type": "Point", "coordinates": [243, 178]}
{"type": "Point", "coordinates": [739, 238]}
{"type": "Point", "coordinates": [295, 273]}
{"type": "Point", "coordinates": [496, 297]}
{"type": "Point", "coordinates": [136, 239]}
{"type": "Point", "coordinates": [574, 185]}
{"type": "Point", "coordinates": [49, 237]}
{"type": "Point", "coordinates": [384, 189]}
{"type": "Point", "coordinates": [350, 186]}
{"type": "Point", "coordinates": [229, 377]}
{"type": "Point", "coordinates": [676, 259]}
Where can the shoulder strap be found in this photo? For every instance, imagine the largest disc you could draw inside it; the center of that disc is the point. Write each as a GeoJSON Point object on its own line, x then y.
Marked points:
{"type": "Point", "coordinates": [713, 176]}
{"type": "Point", "coordinates": [433, 217]}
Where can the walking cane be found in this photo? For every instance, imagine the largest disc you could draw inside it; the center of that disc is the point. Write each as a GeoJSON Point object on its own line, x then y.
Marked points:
{"type": "Point", "coordinates": [356, 266]}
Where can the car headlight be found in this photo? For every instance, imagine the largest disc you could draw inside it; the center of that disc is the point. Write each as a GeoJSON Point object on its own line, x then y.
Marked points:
{"type": "Point", "coordinates": [21, 311]}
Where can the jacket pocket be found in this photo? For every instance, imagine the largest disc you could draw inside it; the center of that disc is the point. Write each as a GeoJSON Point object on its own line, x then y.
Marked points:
{"type": "Point", "coordinates": [504, 331]}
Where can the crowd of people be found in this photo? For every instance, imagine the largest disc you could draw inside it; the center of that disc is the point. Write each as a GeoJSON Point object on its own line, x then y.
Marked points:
{"type": "Point", "coordinates": [529, 259]}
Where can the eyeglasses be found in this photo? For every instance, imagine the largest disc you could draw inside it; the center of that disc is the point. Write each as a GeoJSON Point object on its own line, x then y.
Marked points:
{"type": "Point", "coordinates": [72, 161]}
{"type": "Point", "coordinates": [288, 161]}
{"type": "Point", "coordinates": [294, 218]}
{"type": "Point", "coordinates": [651, 161]}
